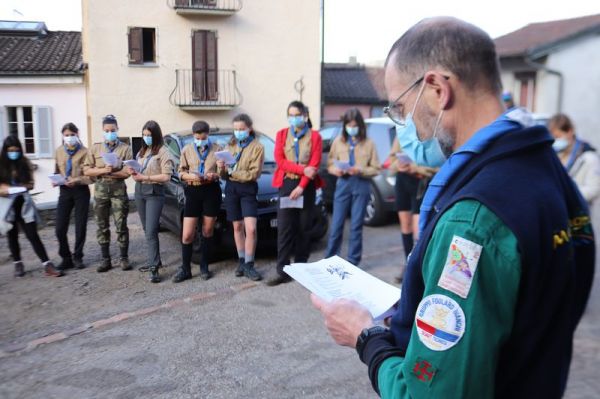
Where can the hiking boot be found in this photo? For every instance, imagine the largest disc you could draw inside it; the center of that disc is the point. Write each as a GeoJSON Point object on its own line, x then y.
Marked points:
{"type": "Point", "coordinates": [278, 279]}
{"type": "Point", "coordinates": [239, 271]}
{"type": "Point", "coordinates": [205, 274]}
{"type": "Point", "coordinates": [78, 263]}
{"type": "Point", "coordinates": [105, 266]}
{"type": "Point", "coordinates": [182, 275]}
{"type": "Point", "coordinates": [67, 263]}
{"type": "Point", "coordinates": [154, 276]}
{"type": "Point", "coordinates": [19, 269]}
{"type": "Point", "coordinates": [51, 270]}
{"type": "Point", "coordinates": [250, 272]}
{"type": "Point", "coordinates": [124, 263]}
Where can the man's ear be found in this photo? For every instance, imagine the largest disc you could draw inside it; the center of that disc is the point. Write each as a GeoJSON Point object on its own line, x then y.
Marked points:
{"type": "Point", "coordinates": [442, 89]}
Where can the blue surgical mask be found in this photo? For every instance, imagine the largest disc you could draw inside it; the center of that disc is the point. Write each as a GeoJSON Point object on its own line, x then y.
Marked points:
{"type": "Point", "coordinates": [200, 143]}
{"type": "Point", "coordinates": [560, 144]}
{"type": "Point", "coordinates": [13, 155]}
{"type": "Point", "coordinates": [71, 141]}
{"type": "Point", "coordinates": [110, 136]}
{"type": "Point", "coordinates": [296, 121]}
{"type": "Point", "coordinates": [147, 140]}
{"type": "Point", "coordinates": [241, 135]}
{"type": "Point", "coordinates": [352, 131]}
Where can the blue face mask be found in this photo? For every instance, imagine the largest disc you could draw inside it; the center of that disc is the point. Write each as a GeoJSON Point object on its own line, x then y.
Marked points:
{"type": "Point", "coordinates": [13, 155]}
{"type": "Point", "coordinates": [147, 140]}
{"type": "Point", "coordinates": [241, 135]}
{"type": "Point", "coordinates": [110, 136]}
{"type": "Point", "coordinates": [352, 131]}
{"type": "Point", "coordinates": [424, 153]}
{"type": "Point", "coordinates": [201, 143]}
{"type": "Point", "coordinates": [296, 121]}
{"type": "Point", "coordinates": [560, 145]}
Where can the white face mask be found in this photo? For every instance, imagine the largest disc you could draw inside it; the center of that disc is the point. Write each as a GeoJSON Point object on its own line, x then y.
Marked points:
{"type": "Point", "coordinates": [71, 141]}
{"type": "Point", "coordinates": [560, 144]}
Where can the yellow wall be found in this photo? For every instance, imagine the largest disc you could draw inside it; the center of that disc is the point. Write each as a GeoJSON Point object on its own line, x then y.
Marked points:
{"type": "Point", "coordinates": [270, 44]}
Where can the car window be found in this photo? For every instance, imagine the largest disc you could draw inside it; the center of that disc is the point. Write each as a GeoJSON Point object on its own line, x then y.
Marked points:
{"type": "Point", "coordinates": [172, 145]}
{"type": "Point", "coordinates": [382, 135]}
{"type": "Point", "coordinates": [269, 145]}
{"type": "Point", "coordinates": [328, 134]}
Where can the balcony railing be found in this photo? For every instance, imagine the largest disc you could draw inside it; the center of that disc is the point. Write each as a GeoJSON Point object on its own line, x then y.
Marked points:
{"type": "Point", "coordinates": [206, 7]}
{"type": "Point", "coordinates": [205, 89]}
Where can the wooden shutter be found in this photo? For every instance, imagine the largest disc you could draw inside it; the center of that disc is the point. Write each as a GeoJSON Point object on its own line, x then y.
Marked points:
{"type": "Point", "coordinates": [199, 65]}
{"type": "Point", "coordinates": [136, 46]}
{"type": "Point", "coordinates": [212, 72]}
{"type": "Point", "coordinates": [42, 121]}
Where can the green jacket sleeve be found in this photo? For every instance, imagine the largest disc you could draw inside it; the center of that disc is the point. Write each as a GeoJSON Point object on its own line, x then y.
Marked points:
{"type": "Point", "coordinates": [471, 271]}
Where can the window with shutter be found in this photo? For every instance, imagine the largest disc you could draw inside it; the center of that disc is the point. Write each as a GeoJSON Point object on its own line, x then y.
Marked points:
{"type": "Point", "coordinates": [43, 131]}
{"type": "Point", "coordinates": [204, 66]}
{"type": "Point", "coordinates": [136, 46]}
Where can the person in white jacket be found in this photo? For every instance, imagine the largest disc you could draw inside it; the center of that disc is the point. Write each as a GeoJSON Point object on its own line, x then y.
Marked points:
{"type": "Point", "coordinates": [579, 158]}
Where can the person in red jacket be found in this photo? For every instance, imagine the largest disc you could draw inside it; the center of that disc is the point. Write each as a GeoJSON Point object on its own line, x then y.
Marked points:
{"type": "Point", "coordinates": [298, 156]}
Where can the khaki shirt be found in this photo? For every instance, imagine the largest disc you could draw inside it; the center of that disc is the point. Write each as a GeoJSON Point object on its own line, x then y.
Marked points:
{"type": "Point", "coordinates": [393, 158]}
{"type": "Point", "coordinates": [305, 145]}
{"type": "Point", "coordinates": [77, 163]}
{"type": "Point", "coordinates": [249, 166]}
{"type": "Point", "coordinates": [159, 164]}
{"type": "Point", "coordinates": [190, 162]}
{"type": "Point", "coordinates": [365, 156]}
{"type": "Point", "coordinates": [94, 158]}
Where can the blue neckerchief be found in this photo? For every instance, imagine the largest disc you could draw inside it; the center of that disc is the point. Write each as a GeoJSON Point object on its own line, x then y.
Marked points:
{"type": "Point", "coordinates": [242, 144]}
{"type": "Point", "coordinates": [70, 153]}
{"type": "Point", "coordinates": [297, 138]}
{"type": "Point", "coordinates": [114, 148]}
{"type": "Point", "coordinates": [202, 156]}
{"type": "Point", "coordinates": [351, 155]}
{"type": "Point", "coordinates": [453, 165]}
{"type": "Point", "coordinates": [146, 161]}
{"type": "Point", "coordinates": [573, 155]}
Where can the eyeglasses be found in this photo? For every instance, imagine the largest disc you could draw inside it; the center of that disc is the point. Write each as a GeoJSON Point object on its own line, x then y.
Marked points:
{"type": "Point", "coordinates": [394, 111]}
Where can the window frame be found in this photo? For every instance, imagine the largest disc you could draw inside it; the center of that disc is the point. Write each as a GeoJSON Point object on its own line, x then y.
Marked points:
{"type": "Point", "coordinates": [139, 61]}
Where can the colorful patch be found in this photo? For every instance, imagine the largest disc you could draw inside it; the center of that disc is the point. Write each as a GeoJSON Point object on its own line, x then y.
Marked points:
{"type": "Point", "coordinates": [463, 257]}
{"type": "Point", "coordinates": [440, 322]}
{"type": "Point", "coordinates": [424, 370]}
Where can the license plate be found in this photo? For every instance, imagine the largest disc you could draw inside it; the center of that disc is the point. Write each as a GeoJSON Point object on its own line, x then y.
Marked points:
{"type": "Point", "coordinates": [274, 223]}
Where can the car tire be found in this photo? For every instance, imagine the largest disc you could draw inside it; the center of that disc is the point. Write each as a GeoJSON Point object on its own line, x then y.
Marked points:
{"type": "Point", "coordinates": [375, 214]}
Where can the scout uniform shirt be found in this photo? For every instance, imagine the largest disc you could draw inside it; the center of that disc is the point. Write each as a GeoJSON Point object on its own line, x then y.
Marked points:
{"type": "Point", "coordinates": [190, 162]}
{"type": "Point", "coordinates": [77, 162]}
{"type": "Point", "coordinates": [249, 165]}
{"type": "Point", "coordinates": [159, 164]}
{"type": "Point", "coordinates": [304, 150]}
{"type": "Point", "coordinates": [94, 158]}
{"type": "Point", "coordinates": [365, 155]}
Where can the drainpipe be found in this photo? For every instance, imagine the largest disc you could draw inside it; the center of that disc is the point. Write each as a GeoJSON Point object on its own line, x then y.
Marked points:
{"type": "Point", "coordinates": [559, 74]}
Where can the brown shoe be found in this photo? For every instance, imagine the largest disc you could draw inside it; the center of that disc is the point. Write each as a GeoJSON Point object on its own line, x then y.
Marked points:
{"type": "Point", "coordinates": [124, 263]}
{"type": "Point", "coordinates": [19, 269]}
{"type": "Point", "coordinates": [51, 270]}
{"type": "Point", "coordinates": [105, 266]}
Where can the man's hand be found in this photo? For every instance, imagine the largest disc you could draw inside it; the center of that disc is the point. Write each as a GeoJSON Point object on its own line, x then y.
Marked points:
{"type": "Point", "coordinates": [191, 177]}
{"type": "Point", "coordinates": [310, 172]}
{"type": "Point", "coordinates": [296, 193]}
{"type": "Point", "coordinates": [404, 167]}
{"type": "Point", "coordinates": [107, 170]}
{"type": "Point", "coordinates": [355, 170]}
{"type": "Point", "coordinates": [70, 183]}
{"type": "Point", "coordinates": [138, 177]}
{"type": "Point", "coordinates": [212, 176]}
{"type": "Point", "coordinates": [344, 319]}
{"type": "Point", "coordinates": [4, 190]}
{"type": "Point", "coordinates": [337, 172]}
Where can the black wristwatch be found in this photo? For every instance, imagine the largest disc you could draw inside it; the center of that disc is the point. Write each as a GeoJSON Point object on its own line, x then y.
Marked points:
{"type": "Point", "coordinates": [366, 334]}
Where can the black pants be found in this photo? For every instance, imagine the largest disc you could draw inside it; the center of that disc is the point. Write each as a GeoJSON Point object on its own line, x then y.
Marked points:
{"type": "Point", "coordinates": [77, 197]}
{"type": "Point", "coordinates": [30, 232]}
{"type": "Point", "coordinates": [294, 225]}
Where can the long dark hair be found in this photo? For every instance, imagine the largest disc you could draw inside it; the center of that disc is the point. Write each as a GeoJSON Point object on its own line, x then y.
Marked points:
{"type": "Point", "coordinates": [22, 166]}
{"type": "Point", "coordinates": [247, 121]}
{"type": "Point", "coordinates": [157, 138]}
{"type": "Point", "coordinates": [353, 114]}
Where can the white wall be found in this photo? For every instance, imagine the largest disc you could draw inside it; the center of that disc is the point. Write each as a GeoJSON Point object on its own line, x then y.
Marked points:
{"type": "Point", "coordinates": [68, 104]}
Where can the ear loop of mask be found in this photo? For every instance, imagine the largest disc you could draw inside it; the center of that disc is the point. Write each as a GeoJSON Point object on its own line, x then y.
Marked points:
{"type": "Point", "coordinates": [437, 123]}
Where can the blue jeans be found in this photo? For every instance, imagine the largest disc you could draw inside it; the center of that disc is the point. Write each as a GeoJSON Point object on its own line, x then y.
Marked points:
{"type": "Point", "coordinates": [351, 195]}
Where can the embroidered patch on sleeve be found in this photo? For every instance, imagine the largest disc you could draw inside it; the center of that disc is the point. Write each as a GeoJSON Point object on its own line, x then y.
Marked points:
{"type": "Point", "coordinates": [424, 371]}
{"type": "Point", "coordinates": [460, 267]}
{"type": "Point", "coordinates": [440, 322]}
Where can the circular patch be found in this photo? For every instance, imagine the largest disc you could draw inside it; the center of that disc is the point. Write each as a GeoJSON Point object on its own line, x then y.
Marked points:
{"type": "Point", "coordinates": [440, 322]}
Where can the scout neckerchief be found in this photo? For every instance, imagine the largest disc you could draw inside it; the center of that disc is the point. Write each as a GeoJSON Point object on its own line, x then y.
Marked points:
{"type": "Point", "coordinates": [146, 161]}
{"type": "Point", "coordinates": [574, 155]}
{"type": "Point", "coordinates": [70, 153]}
{"type": "Point", "coordinates": [297, 138]}
{"type": "Point", "coordinates": [352, 144]}
{"type": "Point", "coordinates": [242, 144]}
{"type": "Point", "coordinates": [109, 149]}
{"type": "Point", "coordinates": [202, 155]}
{"type": "Point", "coordinates": [453, 165]}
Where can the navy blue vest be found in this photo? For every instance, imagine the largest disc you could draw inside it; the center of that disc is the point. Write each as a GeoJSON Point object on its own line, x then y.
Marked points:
{"type": "Point", "coordinates": [521, 180]}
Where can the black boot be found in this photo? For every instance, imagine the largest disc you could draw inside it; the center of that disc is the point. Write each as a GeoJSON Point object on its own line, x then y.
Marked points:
{"type": "Point", "coordinates": [106, 262]}
{"type": "Point", "coordinates": [124, 261]}
{"type": "Point", "coordinates": [67, 263]}
{"type": "Point", "coordinates": [250, 272]}
{"type": "Point", "coordinates": [185, 271]}
{"type": "Point", "coordinates": [19, 269]}
{"type": "Point", "coordinates": [154, 276]}
{"type": "Point", "coordinates": [239, 271]}
{"type": "Point", "coordinates": [204, 254]}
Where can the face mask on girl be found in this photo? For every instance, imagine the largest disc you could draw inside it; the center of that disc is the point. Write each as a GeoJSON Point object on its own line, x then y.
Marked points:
{"type": "Point", "coordinates": [296, 121]}
{"type": "Point", "coordinates": [201, 142]}
{"type": "Point", "coordinates": [13, 155]}
{"type": "Point", "coordinates": [110, 136]}
{"type": "Point", "coordinates": [560, 144]}
{"type": "Point", "coordinates": [71, 141]}
{"type": "Point", "coordinates": [352, 131]}
{"type": "Point", "coordinates": [147, 140]}
{"type": "Point", "coordinates": [241, 135]}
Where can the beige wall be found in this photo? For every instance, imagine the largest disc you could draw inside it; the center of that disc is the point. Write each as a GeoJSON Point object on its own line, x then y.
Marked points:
{"type": "Point", "coordinates": [271, 44]}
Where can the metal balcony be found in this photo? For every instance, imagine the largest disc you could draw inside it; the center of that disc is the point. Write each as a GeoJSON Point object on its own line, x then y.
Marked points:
{"type": "Point", "coordinates": [206, 7]}
{"type": "Point", "coordinates": [205, 89]}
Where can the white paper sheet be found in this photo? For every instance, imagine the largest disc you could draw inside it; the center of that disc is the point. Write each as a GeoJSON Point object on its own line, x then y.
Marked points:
{"type": "Point", "coordinates": [111, 159]}
{"type": "Point", "coordinates": [133, 164]}
{"type": "Point", "coordinates": [336, 278]}
{"type": "Point", "coordinates": [225, 156]}
{"type": "Point", "coordinates": [342, 165]}
{"type": "Point", "coordinates": [287, 202]}
{"type": "Point", "coordinates": [57, 179]}
{"type": "Point", "coordinates": [403, 158]}
{"type": "Point", "coordinates": [16, 190]}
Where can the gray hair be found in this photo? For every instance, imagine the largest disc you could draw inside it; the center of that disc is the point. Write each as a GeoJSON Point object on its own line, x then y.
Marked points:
{"type": "Point", "coordinates": [463, 49]}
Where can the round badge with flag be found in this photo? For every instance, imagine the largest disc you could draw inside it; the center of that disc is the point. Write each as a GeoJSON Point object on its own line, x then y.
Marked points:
{"type": "Point", "coordinates": [440, 322]}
